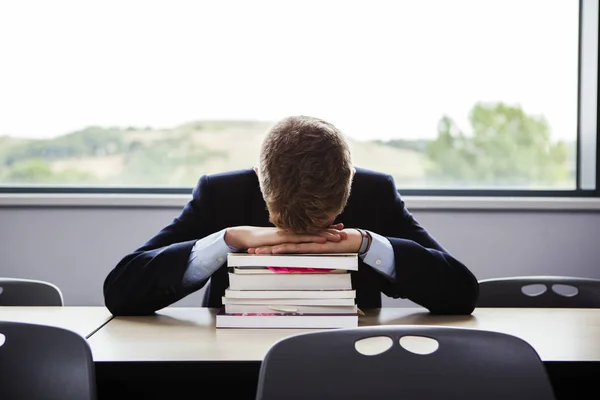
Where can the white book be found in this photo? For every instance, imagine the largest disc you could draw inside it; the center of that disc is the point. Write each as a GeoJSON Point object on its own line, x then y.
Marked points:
{"type": "Point", "coordinates": [268, 271]}
{"type": "Point", "coordinates": [286, 309]}
{"type": "Point", "coordinates": [286, 281]}
{"type": "Point", "coordinates": [346, 261]}
{"type": "Point", "coordinates": [290, 294]}
{"type": "Point", "coordinates": [294, 302]}
{"type": "Point", "coordinates": [284, 321]}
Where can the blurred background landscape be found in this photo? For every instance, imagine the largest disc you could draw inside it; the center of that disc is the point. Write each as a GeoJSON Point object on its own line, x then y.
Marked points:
{"type": "Point", "coordinates": [505, 148]}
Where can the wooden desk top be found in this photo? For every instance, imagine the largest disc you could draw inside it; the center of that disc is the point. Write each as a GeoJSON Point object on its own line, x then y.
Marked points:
{"type": "Point", "coordinates": [189, 334]}
{"type": "Point", "coordinates": [81, 320]}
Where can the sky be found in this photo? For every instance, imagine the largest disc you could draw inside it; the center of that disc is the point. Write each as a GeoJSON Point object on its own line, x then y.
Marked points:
{"type": "Point", "coordinates": [376, 69]}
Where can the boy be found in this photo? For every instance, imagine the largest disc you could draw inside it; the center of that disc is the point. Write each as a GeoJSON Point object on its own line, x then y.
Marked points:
{"type": "Point", "coordinates": [304, 197]}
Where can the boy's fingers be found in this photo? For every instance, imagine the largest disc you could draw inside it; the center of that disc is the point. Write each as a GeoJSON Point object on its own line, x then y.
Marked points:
{"type": "Point", "coordinates": [331, 235]}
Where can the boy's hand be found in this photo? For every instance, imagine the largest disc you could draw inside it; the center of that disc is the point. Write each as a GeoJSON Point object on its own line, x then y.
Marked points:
{"type": "Point", "coordinates": [350, 244]}
{"type": "Point", "coordinates": [250, 237]}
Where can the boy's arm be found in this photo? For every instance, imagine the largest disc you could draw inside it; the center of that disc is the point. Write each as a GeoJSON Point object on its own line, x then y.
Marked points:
{"type": "Point", "coordinates": [152, 277]}
{"type": "Point", "coordinates": [416, 267]}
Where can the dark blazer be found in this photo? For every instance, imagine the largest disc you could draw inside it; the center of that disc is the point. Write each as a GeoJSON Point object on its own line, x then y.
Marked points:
{"type": "Point", "coordinates": [150, 278]}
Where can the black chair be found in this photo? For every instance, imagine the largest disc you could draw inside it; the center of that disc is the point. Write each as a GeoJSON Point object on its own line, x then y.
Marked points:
{"type": "Point", "coordinates": [44, 362]}
{"type": "Point", "coordinates": [540, 292]}
{"type": "Point", "coordinates": [468, 364]}
{"type": "Point", "coordinates": [27, 292]}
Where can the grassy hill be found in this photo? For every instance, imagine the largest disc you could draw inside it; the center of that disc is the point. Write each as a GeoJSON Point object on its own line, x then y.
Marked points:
{"type": "Point", "coordinates": [507, 149]}
{"type": "Point", "coordinates": [167, 157]}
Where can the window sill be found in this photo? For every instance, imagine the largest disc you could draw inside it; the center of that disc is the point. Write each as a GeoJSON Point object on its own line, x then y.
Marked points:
{"type": "Point", "coordinates": [432, 203]}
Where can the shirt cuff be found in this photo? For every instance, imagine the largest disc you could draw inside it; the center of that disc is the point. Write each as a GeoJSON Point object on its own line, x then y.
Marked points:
{"type": "Point", "coordinates": [380, 256]}
{"type": "Point", "coordinates": [207, 256]}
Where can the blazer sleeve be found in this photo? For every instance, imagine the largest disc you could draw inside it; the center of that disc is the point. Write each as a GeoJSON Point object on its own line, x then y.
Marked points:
{"type": "Point", "coordinates": [425, 272]}
{"type": "Point", "coordinates": [151, 277]}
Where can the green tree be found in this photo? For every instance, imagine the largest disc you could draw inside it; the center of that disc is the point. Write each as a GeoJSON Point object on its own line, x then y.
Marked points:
{"type": "Point", "coordinates": [506, 148]}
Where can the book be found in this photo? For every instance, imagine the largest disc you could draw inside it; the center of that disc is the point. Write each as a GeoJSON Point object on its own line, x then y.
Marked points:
{"type": "Point", "coordinates": [286, 281]}
{"type": "Point", "coordinates": [290, 294]}
{"type": "Point", "coordinates": [284, 270]}
{"type": "Point", "coordinates": [276, 308]}
{"type": "Point", "coordinates": [284, 321]}
{"type": "Point", "coordinates": [345, 261]}
{"type": "Point", "coordinates": [293, 302]}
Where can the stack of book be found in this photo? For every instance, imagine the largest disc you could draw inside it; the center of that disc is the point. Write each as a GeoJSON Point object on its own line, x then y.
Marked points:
{"type": "Point", "coordinates": [289, 291]}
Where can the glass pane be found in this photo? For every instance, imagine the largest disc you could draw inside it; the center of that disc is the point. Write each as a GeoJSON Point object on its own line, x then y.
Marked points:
{"type": "Point", "coordinates": [588, 95]}
{"type": "Point", "coordinates": [440, 94]}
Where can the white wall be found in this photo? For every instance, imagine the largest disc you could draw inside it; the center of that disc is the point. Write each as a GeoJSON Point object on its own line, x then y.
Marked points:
{"type": "Point", "coordinates": [75, 248]}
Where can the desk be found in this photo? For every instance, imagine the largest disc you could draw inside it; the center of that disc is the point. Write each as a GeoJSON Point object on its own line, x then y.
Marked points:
{"type": "Point", "coordinates": [179, 350]}
{"type": "Point", "coordinates": [189, 334]}
{"type": "Point", "coordinates": [82, 320]}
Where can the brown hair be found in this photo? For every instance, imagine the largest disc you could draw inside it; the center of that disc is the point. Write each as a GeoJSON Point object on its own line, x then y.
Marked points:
{"type": "Point", "coordinates": [305, 173]}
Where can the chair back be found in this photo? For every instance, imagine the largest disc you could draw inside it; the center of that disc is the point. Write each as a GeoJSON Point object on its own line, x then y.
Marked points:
{"type": "Point", "coordinates": [467, 364]}
{"type": "Point", "coordinates": [44, 362]}
{"type": "Point", "coordinates": [540, 292]}
{"type": "Point", "coordinates": [27, 292]}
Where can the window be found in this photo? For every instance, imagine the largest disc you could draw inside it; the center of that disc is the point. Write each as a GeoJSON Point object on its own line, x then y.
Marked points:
{"type": "Point", "coordinates": [446, 96]}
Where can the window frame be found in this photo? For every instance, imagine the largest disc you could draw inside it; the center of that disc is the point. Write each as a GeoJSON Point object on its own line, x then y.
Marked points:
{"type": "Point", "coordinates": [588, 132]}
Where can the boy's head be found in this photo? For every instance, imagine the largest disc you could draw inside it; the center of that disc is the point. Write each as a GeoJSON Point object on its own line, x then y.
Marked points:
{"type": "Point", "coordinates": [305, 173]}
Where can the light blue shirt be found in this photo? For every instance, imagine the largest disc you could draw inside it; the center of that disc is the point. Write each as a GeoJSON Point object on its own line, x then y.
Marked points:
{"type": "Point", "coordinates": [210, 253]}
